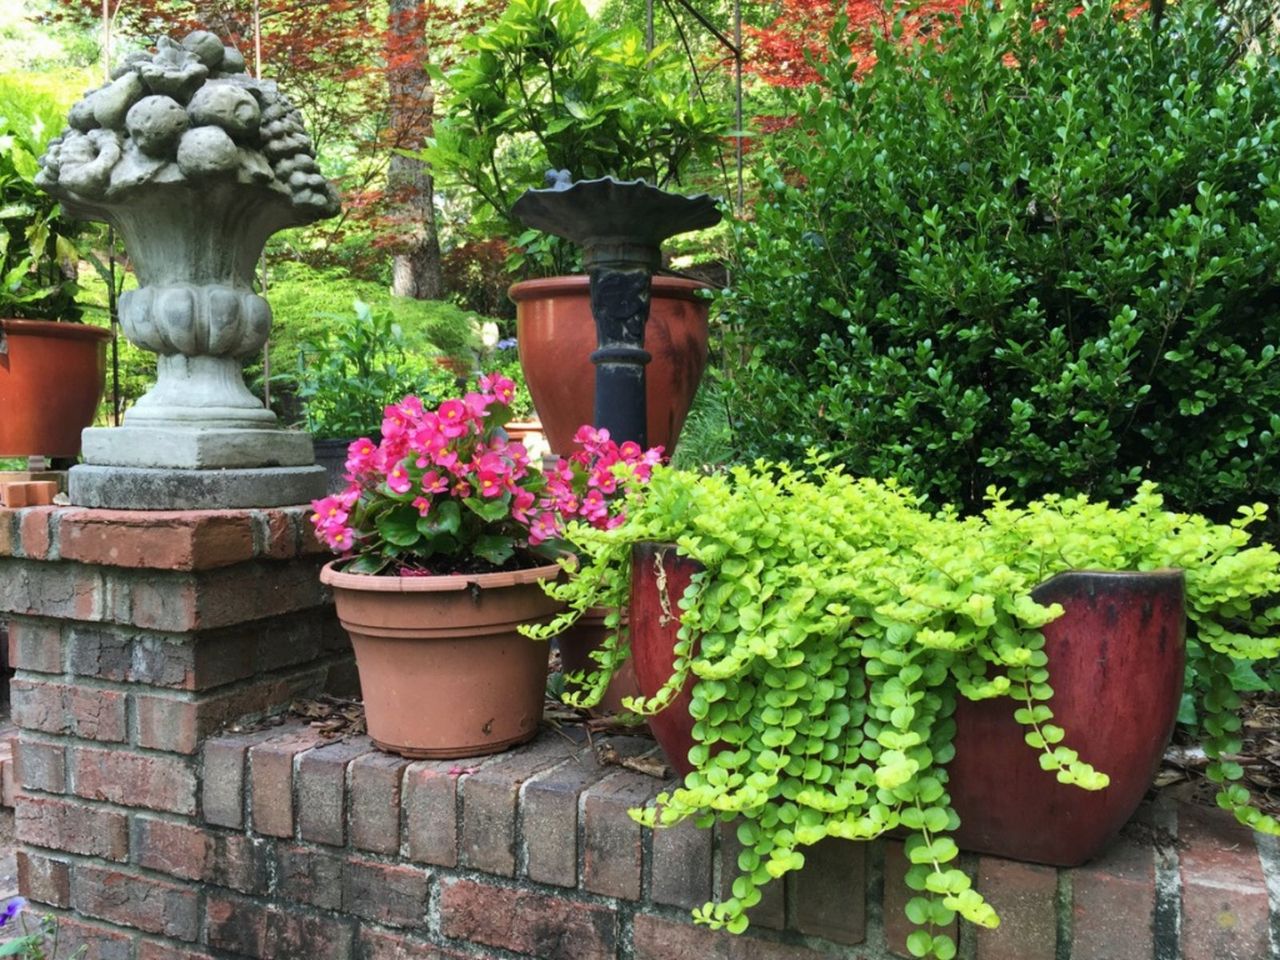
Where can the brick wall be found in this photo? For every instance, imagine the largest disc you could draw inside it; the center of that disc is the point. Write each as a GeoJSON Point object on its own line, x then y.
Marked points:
{"type": "Point", "coordinates": [156, 834]}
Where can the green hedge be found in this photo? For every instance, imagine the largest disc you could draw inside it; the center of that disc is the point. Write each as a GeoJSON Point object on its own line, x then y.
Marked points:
{"type": "Point", "coordinates": [1039, 255]}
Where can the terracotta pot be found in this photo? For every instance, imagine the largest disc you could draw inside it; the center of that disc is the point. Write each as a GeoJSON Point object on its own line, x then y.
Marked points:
{"type": "Point", "coordinates": [1115, 659]}
{"type": "Point", "coordinates": [51, 382]}
{"type": "Point", "coordinates": [442, 669]}
{"type": "Point", "coordinates": [576, 645]}
{"type": "Point", "coordinates": [556, 336]}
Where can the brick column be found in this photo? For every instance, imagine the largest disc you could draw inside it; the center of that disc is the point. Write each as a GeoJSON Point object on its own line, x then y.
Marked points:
{"type": "Point", "coordinates": [134, 636]}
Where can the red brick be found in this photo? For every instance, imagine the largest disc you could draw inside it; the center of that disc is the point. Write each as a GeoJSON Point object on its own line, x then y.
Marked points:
{"type": "Point", "coordinates": [271, 778]}
{"type": "Point", "coordinates": [680, 871]}
{"type": "Point", "coordinates": [658, 939]}
{"type": "Point", "coordinates": [58, 591]}
{"type": "Point", "coordinates": [310, 875]}
{"type": "Point", "coordinates": [551, 797]}
{"type": "Point", "coordinates": [273, 933]}
{"type": "Point", "coordinates": [520, 920]}
{"type": "Point", "coordinates": [489, 796]}
{"type": "Point", "coordinates": [153, 950]}
{"type": "Point", "coordinates": [41, 766]}
{"type": "Point", "coordinates": [157, 540]}
{"type": "Point", "coordinates": [35, 645]}
{"type": "Point", "coordinates": [191, 853]}
{"type": "Point", "coordinates": [1113, 904]}
{"type": "Point", "coordinates": [158, 601]}
{"type": "Point", "coordinates": [431, 813]}
{"type": "Point", "coordinates": [322, 790]}
{"type": "Point", "coordinates": [1026, 898]}
{"type": "Point", "coordinates": [611, 840]}
{"type": "Point", "coordinates": [375, 802]}
{"type": "Point", "coordinates": [896, 894]}
{"type": "Point", "coordinates": [387, 894]}
{"type": "Point", "coordinates": [225, 595]}
{"type": "Point", "coordinates": [8, 521]}
{"type": "Point", "coordinates": [167, 723]}
{"type": "Point", "coordinates": [155, 906]}
{"type": "Point", "coordinates": [394, 945]}
{"type": "Point", "coordinates": [33, 527]}
{"type": "Point", "coordinates": [278, 533]}
{"type": "Point", "coordinates": [44, 879]}
{"type": "Point", "coordinates": [1224, 895]}
{"type": "Point", "coordinates": [87, 712]}
{"type": "Point", "coordinates": [155, 781]}
{"type": "Point", "coordinates": [99, 943]}
{"type": "Point", "coordinates": [74, 827]}
{"type": "Point", "coordinates": [223, 779]}
{"type": "Point", "coordinates": [8, 783]}
{"type": "Point", "coordinates": [829, 895]}
{"type": "Point", "coordinates": [771, 912]}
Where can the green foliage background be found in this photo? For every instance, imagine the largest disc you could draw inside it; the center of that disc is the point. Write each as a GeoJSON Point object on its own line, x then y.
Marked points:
{"type": "Point", "coordinates": [1037, 255]}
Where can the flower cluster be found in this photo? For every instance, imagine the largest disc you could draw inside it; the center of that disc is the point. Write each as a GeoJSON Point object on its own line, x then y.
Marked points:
{"type": "Point", "coordinates": [588, 486]}
{"type": "Point", "coordinates": [447, 485]}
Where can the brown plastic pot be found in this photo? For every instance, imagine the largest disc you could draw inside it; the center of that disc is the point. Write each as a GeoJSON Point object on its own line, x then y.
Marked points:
{"type": "Point", "coordinates": [1115, 659]}
{"type": "Point", "coordinates": [51, 382]}
{"type": "Point", "coordinates": [556, 336]}
{"type": "Point", "coordinates": [443, 671]}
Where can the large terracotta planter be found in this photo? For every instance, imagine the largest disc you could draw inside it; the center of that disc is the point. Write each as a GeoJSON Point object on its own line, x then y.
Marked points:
{"type": "Point", "coordinates": [556, 336]}
{"type": "Point", "coordinates": [51, 382]}
{"type": "Point", "coordinates": [1115, 660]}
{"type": "Point", "coordinates": [443, 671]}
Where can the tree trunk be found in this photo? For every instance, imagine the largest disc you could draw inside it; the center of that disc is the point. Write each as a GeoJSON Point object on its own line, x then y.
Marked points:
{"type": "Point", "coordinates": [416, 271]}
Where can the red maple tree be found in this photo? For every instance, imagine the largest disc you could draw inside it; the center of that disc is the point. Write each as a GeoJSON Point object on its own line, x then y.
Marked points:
{"type": "Point", "coordinates": [784, 53]}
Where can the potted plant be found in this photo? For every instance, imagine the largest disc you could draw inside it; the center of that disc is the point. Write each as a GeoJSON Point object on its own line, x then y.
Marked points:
{"type": "Point", "coordinates": [348, 373]}
{"type": "Point", "coordinates": [445, 532]}
{"type": "Point", "coordinates": [52, 369]}
{"type": "Point", "coordinates": [828, 635]}
{"type": "Point", "coordinates": [546, 87]}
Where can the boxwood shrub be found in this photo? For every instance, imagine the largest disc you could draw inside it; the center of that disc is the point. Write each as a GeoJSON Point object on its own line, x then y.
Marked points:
{"type": "Point", "coordinates": [1039, 253]}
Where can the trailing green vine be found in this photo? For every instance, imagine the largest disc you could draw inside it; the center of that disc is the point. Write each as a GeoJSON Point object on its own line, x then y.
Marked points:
{"type": "Point", "coordinates": [833, 627]}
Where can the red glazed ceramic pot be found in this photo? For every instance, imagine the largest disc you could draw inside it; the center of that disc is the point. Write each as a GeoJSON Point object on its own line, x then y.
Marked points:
{"type": "Point", "coordinates": [1115, 659]}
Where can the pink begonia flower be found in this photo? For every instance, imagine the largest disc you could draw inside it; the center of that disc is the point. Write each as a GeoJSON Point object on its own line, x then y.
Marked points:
{"type": "Point", "coordinates": [629, 450]}
{"type": "Point", "coordinates": [602, 478]}
{"type": "Point", "coordinates": [490, 484]}
{"type": "Point", "coordinates": [594, 506]}
{"type": "Point", "coordinates": [461, 489]}
{"type": "Point", "coordinates": [433, 482]}
{"type": "Point", "coordinates": [422, 505]}
{"type": "Point", "coordinates": [329, 511]}
{"type": "Point", "coordinates": [521, 503]}
{"type": "Point", "coordinates": [398, 479]}
{"type": "Point", "coordinates": [340, 539]}
{"type": "Point", "coordinates": [544, 527]}
{"type": "Point", "coordinates": [477, 405]}
{"type": "Point", "coordinates": [590, 437]}
{"type": "Point", "coordinates": [411, 407]}
{"type": "Point", "coordinates": [360, 455]}
{"type": "Point", "coordinates": [446, 459]}
{"type": "Point", "coordinates": [453, 416]}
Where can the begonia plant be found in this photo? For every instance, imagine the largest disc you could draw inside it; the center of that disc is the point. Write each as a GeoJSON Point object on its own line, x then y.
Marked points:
{"type": "Point", "coordinates": [446, 491]}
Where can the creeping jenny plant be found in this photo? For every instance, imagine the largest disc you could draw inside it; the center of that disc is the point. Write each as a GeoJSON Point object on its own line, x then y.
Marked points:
{"type": "Point", "coordinates": [835, 625]}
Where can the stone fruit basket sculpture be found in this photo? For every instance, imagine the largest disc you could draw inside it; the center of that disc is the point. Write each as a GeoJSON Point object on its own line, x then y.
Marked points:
{"type": "Point", "coordinates": [196, 163]}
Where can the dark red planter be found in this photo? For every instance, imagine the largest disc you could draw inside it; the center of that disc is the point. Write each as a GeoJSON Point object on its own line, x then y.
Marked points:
{"type": "Point", "coordinates": [1115, 658]}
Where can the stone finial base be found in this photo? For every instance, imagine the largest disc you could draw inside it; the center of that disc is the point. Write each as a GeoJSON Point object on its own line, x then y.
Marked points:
{"type": "Point", "coordinates": [195, 449]}
{"type": "Point", "coordinates": [144, 488]}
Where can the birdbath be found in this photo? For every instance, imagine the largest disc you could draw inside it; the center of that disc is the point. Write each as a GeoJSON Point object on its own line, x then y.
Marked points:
{"type": "Point", "coordinates": [620, 225]}
{"type": "Point", "coordinates": [196, 164]}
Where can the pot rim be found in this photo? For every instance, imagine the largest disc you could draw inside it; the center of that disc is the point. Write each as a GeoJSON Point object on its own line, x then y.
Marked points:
{"type": "Point", "coordinates": [444, 583]}
{"type": "Point", "coordinates": [674, 288]}
{"type": "Point", "coordinates": [63, 329]}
